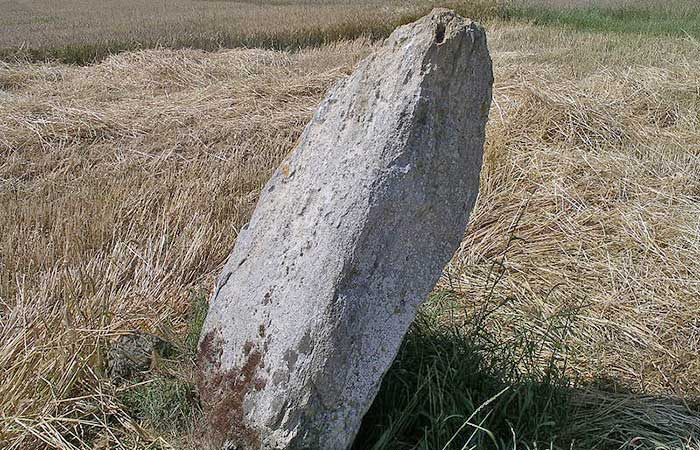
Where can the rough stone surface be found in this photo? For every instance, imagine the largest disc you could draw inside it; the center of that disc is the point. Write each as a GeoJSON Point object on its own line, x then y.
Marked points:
{"type": "Point", "coordinates": [348, 238]}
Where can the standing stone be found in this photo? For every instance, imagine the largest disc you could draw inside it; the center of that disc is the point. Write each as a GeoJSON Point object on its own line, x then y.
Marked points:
{"type": "Point", "coordinates": [348, 238]}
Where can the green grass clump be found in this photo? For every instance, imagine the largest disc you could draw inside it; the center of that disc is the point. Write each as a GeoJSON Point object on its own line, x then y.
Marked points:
{"type": "Point", "coordinates": [162, 403]}
{"type": "Point", "coordinates": [197, 314]}
{"type": "Point", "coordinates": [168, 400]}
{"type": "Point", "coordinates": [653, 20]}
{"type": "Point", "coordinates": [451, 388]}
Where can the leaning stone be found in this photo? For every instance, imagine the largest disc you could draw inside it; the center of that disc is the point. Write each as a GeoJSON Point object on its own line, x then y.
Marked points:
{"type": "Point", "coordinates": [348, 238]}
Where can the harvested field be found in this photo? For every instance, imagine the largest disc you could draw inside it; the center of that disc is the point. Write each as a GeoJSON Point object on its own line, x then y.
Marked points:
{"type": "Point", "coordinates": [123, 184]}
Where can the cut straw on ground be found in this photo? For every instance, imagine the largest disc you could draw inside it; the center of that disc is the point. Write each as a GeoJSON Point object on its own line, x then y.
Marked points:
{"type": "Point", "coordinates": [123, 185]}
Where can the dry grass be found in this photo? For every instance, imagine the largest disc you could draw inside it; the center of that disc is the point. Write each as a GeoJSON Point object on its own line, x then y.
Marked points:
{"type": "Point", "coordinates": [122, 190]}
{"type": "Point", "coordinates": [122, 185]}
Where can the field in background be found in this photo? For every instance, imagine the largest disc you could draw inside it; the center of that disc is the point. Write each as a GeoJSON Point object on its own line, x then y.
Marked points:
{"type": "Point", "coordinates": [660, 18]}
{"type": "Point", "coordinates": [77, 31]}
{"type": "Point", "coordinates": [567, 319]}
{"type": "Point", "coordinates": [80, 31]}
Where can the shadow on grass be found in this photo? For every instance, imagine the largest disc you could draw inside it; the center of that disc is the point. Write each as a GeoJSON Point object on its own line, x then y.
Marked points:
{"type": "Point", "coordinates": [455, 388]}
{"type": "Point", "coordinates": [448, 389]}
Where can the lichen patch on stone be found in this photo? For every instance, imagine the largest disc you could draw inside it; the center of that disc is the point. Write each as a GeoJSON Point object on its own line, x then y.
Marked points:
{"type": "Point", "coordinates": [223, 393]}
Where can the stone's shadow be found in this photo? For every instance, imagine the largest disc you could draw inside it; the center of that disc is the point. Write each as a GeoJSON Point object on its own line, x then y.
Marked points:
{"type": "Point", "coordinates": [450, 389]}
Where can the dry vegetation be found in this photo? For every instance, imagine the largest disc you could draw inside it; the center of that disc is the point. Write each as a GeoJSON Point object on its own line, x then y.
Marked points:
{"type": "Point", "coordinates": [122, 185]}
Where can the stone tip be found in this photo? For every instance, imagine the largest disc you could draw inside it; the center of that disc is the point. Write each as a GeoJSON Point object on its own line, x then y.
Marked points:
{"type": "Point", "coordinates": [437, 28]}
{"type": "Point", "coordinates": [446, 15]}
{"type": "Point", "coordinates": [448, 23]}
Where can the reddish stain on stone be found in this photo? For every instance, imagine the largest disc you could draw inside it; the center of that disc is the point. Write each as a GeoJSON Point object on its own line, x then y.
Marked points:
{"type": "Point", "coordinates": [260, 384]}
{"type": "Point", "coordinates": [223, 392]}
{"type": "Point", "coordinates": [210, 350]}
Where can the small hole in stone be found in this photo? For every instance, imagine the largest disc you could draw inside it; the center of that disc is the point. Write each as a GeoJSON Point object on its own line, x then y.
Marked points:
{"type": "Point", "coordinates": [440, 33]}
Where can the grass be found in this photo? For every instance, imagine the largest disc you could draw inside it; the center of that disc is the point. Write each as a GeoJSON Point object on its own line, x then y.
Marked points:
{"type": "Point", "coordinates": [451, 387]}
{"type": "Point", "coordinates": [454, 386]}
{"type": "Point", "coordinates": [78, 32]}
{"type": "Point", "coordinates": [165, 404]}
{"type": "Point", "coordinates": [674, 18]}
{"type": "Point", "coordinates": [123, 184]}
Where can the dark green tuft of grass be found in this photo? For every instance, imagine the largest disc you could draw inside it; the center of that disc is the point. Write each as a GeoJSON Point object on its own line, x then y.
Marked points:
{"type": "Point", "coordinates": [197, 314]}
{"type": "Point", "coordinates": [453, 388]}
{"type": "Point", "coordinates": [168, 401]}
{"type": "Point", "coordinates": [163, 403]}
